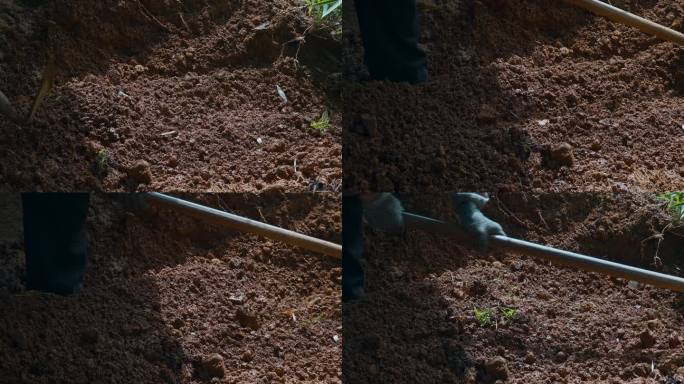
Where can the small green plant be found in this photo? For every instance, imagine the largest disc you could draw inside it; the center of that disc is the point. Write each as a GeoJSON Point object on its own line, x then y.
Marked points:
{"type": "Point", "coordinates": [323, 123]}
{"type": "Point", "coordinates": [483, 316]}
{"type": "Point", "coordinates": [320, 9]}
{"type": "Point", "coordinates": [102, 161]}
{"type": "Point", "coordinates": [326, 14]}
{"type": "Point", "coordinates": [675, 204]}
{"type": "Point", "coordinates": [508, 314]}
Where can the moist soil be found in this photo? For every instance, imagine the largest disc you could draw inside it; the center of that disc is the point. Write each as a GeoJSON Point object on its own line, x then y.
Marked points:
{"type": "Point", "coordinates": [169, 300]}
{"type": "Point", "coordinates": [522, 95]}
{"type": "Point", "coordinates": [416, 322]}
{"type": "Point", "coordinates": [168, 95]}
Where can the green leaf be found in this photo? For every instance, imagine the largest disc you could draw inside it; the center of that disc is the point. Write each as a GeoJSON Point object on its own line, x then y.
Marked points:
{"type": "Point", "coordinates": [329, 8]}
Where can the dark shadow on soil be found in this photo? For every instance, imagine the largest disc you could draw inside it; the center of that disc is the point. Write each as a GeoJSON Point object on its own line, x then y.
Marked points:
{"type": "Point", "coordinates": [113, 331]}
{"type": "Point", "coordinates": [468, 127]}
{"type": "Point", "coordinates": [401, 330]}
{"type": "Point", "coordinates": [146, 265]}
{"type": "Point", "coordinates": [460, 130]}
{"type": "Point", "coordinates": [404, 330]}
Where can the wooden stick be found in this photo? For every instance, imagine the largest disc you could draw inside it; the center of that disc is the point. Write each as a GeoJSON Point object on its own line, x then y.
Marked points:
{"type": "Point", "coordinates": [556, 256]}
{"type": "Point", "coordinates": [616, 14]}
{"type": "Point", "coordinates": [244, 224]}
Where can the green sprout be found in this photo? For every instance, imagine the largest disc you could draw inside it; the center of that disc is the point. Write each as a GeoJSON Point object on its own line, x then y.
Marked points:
{"type": "Point", "coordinates": [323, 123]}
{"type": "Point", "coordinates": [483, 316]}
{"type": "Point", "coordinates": [508, 314]}
{"type": "Point", "coordinates": [102, 161]}
{"type": "Point", "coordinates": [320, 9]}
{"type": "Point", "coordinates": [326, 13]}
{"type": "Point", "coordinates": [675, 204]}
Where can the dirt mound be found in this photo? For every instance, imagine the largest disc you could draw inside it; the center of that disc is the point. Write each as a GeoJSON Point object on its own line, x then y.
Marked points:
{"type": "Point", "coordinates": [535, 322]}
{"type": "Point", "coordinates": [169, 300]}
{"type": "Point", "coordinates": [510, 80]}
{"type": "Point", "coordinates": [189, 87]}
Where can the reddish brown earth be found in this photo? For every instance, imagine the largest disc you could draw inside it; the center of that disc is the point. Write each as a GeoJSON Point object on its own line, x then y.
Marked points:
{"type": "Point", "coordinates": [169, 300]}
{"type": "Point", "coordinates": [189, 87]}
{"type": "Point", "coordinates": [511, 81]}
{"type": "Point", "coordinates": [416, 323]}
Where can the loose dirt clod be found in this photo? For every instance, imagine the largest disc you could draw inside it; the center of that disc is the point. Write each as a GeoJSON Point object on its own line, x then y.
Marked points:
{"type": "Point", "coordinates": [496, 368]}
{"type": "Point", "coordinates": [213, 365]}
{"type": "Point", "coordinates": [247, 319]}
{"type": "Point", "coordinates": [646, 339]}
{"type": "Point", "coordinates": [140, 172]}
{"type": "Point", "coordinates": [557, 155]}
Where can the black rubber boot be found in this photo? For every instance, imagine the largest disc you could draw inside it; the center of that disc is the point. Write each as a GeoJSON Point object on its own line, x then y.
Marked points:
{"type": "Point", "coordinates": [56, 241]}
{"type": "Point", "coordinates": [352, 248]}
{"type": "Point", "coordinates": [389, 30]}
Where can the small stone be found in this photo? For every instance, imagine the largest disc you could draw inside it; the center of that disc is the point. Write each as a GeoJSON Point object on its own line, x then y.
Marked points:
{"type": "Point", "coordinates": [647, 339]}
{"type": "Point", "coordinates": [213, 365]}
{"type": "Point", "coordinates": [247, 319]}
{"type": "Point", "coordinates": [674, 340]}
{"type": "Point", "coordinates": [140, 172]}
{"type": "Point", "coordinates": [172, 162]}
{"type": "Point", "coordinates": [496, 368]}
{"type": "Point", "coordinates": [596, 145]}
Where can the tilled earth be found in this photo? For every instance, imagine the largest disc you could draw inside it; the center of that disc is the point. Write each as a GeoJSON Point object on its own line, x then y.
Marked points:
{"type": "Point", "coordinates": [161, 95]}
{"type": "Point", "coordinates": [417, 321]}
{"type": "Point", "coordinates": [169, 300]}
{"type": "Point", "coordinates": [522, 95]}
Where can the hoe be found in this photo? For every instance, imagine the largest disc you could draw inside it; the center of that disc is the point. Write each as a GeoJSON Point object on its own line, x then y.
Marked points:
{"type": "Point", "coordinates": [504, 243]}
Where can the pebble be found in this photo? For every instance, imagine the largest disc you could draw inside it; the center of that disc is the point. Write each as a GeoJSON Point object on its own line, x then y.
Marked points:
{"type": "Point", "coordinates": [497, 368]}
{"type": "Point", "coordinates": [213, 365]}
{"type": "Point", "coordinates": [530, 358]}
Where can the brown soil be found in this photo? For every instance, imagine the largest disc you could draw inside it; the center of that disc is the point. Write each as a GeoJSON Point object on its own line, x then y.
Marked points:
{"type": "Point", "coordinates": [522, 95]}
{"type": "Point", "coordinates": [417, 324]}
{"type": "Point", "coordinates": [187, 86]}
{"type": "Point", "coordinates": [169, 300]}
